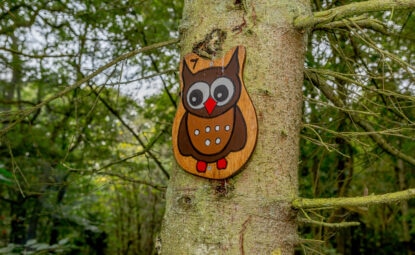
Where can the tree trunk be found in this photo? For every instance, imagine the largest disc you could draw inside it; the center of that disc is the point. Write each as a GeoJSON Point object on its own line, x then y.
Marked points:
{"type": "Point", "coordinates": [406, 234]}
{"type": "Point", "coordinates": [18, 224]}
{"type": "Point", "coordinates": [251, 212]}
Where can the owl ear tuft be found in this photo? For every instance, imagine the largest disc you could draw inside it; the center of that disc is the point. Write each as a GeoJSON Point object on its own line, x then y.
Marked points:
{"type": "Point", "coordinates": [186, 73]}
{"type": "Point", "coordinates": [233, 65]}
{"type": "Point", "coordinates": [186, 68]}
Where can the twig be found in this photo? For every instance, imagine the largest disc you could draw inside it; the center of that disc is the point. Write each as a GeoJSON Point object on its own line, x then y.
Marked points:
{"type": "Point", "coordinates": [126, 178]}
{"type": "Point", "coordinates": [129, 179]}
{"type": "Point", "coordinates": [35, 56]}
{"type": "Point", "coordinates": [321, 84]}
{"type": "Point", "coordinates": [142, 78]}
{"type": "Point", "coordinates": [330, 225]}
{"type": "Point", "coordinates": [136, 136]}
{"type": "Point", "coordinates": [348, 10]}
{"type": "Point", "coordinates": [139, 153]}
{"type": "Point", "coordinates": [365, 22]}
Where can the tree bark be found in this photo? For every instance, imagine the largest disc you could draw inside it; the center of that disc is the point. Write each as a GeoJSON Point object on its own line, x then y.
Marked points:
{"type": "Point", "coordinates": [251, 212]}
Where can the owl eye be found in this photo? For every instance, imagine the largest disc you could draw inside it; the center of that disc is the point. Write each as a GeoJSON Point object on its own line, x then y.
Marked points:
{"type": "Point", "coordinates": [222, 90]}
{"type": "Point", "coordinates": [198, 93]}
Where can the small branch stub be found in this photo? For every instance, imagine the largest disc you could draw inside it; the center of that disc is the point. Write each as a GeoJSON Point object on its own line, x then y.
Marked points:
{"type": "Point", "coordinates": [211, 44]}
{"type": "Point", "coordinates": [307, 203]}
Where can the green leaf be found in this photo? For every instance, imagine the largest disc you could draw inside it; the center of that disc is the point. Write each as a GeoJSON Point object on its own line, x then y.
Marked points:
{"type": "Point", "coordinates": [5, 176]}
{"type": "Point", "coordinates": [8, 249]}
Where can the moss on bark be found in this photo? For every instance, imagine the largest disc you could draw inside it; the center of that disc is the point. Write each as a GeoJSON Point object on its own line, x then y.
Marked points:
{"type": "Point", "coordinates": [252, 214]}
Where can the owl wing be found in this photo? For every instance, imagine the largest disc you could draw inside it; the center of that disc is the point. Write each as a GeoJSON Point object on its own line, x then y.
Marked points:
{"type": "Point", "coordinates": [183, 139]}
{"type": "Point", "coordinates": [238, 138]}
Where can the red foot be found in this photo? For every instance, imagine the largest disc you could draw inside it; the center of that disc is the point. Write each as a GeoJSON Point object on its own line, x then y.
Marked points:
{"type": "Point", "coordinates": [222, 163]}
{"type": "Point", "coordinates": [201, 166]}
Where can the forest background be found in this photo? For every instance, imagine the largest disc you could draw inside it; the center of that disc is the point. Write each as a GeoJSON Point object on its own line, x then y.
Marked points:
{"type": "Point", "coordinates": [88, 94]}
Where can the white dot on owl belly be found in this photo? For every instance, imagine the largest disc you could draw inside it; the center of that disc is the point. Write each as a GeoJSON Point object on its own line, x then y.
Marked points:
{"type": "Point", "coordinates": [207, 129]}
{"type": "Point", "coordinates": [217, 128]}
{"type": "Point", "coordinates": [227, 127]}
{"type": "Point", "coordinates": [217, 141]}
{"type": "Point", "coordinates": [207, 142]}
{"type": "Point", "coordinates": [197, 132]}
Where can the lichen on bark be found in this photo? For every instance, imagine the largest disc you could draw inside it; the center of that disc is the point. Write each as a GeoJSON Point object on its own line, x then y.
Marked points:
{"type": "Point", "coordinates": [252, 213]}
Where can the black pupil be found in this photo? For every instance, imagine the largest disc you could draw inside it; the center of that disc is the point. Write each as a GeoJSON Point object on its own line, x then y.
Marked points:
{"type": "Point", "coordinates": [196, 97]}
{"type": "Point", "coordinates": [221, 93]}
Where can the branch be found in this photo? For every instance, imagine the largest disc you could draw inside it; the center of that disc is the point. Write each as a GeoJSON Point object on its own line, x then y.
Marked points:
{"type": "Point", "coordinates": [153, 62]}
{"type": "Point", "coordinates": [338, 13]}
{"type": "Point", "coordinates": [364, 22]}
{"type": "Point", "coordinates": [129, 179]}
{"type": "Point", "coordinates": [166, 89]}
{"type": "Point", "coordinates": [321, 84]}
{"type": "Point", "coordinates": [330, 225]}
{"type": "Point", "coordinates": [21, 53]}
{"type": "Point", "coordinates": [308, 203]}
{"type": "Point", "coordinates": [141, 78]}
{"type": "Point", "coordinates": [77, 84]}
{"type": "Point", "coordinates": [139, 153]}
{"type": "Point", "coordinates": [123, 177]}
{"type": "Point", "coordinates": [136, 136]}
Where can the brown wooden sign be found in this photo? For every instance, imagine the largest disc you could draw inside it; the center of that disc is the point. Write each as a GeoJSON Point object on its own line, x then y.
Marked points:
{"type": "Point", "coordinates": [215, 128]}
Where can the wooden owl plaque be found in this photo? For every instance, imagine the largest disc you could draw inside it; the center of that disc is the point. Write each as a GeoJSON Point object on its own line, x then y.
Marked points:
{"type": "Point", "coordinates": [215, 128]}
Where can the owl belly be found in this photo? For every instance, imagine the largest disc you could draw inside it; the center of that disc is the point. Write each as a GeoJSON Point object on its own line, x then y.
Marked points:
{"type": "Point", "coordinates": [210, 136]}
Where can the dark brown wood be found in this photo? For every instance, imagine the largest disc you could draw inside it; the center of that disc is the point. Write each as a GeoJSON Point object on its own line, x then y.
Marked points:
{"type": "Point", "coordinates": [215, 128]}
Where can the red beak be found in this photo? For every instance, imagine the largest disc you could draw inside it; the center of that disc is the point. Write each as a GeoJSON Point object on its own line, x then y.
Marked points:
{"type": "Point", "coordinates": [210, 105]}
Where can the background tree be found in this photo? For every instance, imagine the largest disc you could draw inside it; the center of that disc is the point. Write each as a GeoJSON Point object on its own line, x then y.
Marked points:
{"type": "Point", "coordinates": [360, 75]}
{"type": "Point", "coordinates": [82, 167]}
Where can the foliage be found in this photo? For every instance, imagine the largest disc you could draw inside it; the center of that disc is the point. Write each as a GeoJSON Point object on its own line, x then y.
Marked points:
{"type": "Point", "coordinates": [84, 174]}
{"type": "Point", "coordinates": [367, 64]}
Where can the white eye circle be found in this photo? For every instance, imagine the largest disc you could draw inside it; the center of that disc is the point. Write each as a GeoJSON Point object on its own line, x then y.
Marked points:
{"type": "Point", "coordinates": [222, 90]}
{"type": "Point", "coordinates": [197, 94]}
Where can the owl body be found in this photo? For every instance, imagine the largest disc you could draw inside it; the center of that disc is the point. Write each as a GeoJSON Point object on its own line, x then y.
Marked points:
{"type": "Point", "coordinates": [211, 139]}
{"type": "Point", "coordinates": [210, 136]}
{"type": "Point", "coordinates": [210, 124]}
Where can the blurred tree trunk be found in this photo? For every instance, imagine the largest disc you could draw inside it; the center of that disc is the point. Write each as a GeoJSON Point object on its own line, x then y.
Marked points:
{"type": "Point", "coordinates": [251, 212]}
{"type": "Point", "coordinates": [18, 210]}
{"type": "Point", "coordinates": [33, 220]}
{"type": "Point", "coordinates": [11, 89]}
{"type": "Point", "coordinates": [56, 218]}
{"type": "Point", "coordinates": [406, 236]}
{"type": "Point", "coordinates": [18, 226]}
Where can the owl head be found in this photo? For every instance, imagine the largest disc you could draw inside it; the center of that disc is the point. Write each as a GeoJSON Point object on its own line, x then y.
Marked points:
{"type": "Point", "coordinates": [211, 91]}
